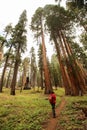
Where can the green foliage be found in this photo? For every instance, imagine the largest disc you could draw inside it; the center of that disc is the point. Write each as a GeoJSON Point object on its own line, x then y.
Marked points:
{"type": "Point", "coordinates": [75, 3]}
{"type": "Point", "coordinates": [36, 22]}
{"type": "Point", "coordinates": [83, 40]}
{"type": "Point", "coordinates": [57, 18]}
{"type": "Point", "coordinates": [19, 33]}
{"type": "Point", "coordinates": [2, 39]}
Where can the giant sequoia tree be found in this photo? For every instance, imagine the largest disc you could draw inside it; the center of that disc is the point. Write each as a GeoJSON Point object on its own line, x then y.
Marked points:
{"type": "Point", "coordinates": [37, 28]}
{"type": "Point", "coordinates": [80, 18]}
{"type": "Point", "coordinates": [59, 21]}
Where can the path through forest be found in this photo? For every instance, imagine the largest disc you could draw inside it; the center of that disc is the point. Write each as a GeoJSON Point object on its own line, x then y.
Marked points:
{"type": "Point", "coordinates": [51, 124]}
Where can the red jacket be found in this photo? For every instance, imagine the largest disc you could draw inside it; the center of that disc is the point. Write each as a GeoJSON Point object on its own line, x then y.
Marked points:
{"type": "Point", "coordinates": [52, 98]}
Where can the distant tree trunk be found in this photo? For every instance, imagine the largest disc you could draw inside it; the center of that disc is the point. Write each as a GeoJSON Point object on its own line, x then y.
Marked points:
{"type": "Point", "coordinates": [27, 84]}
{"type": "Point", "coordinates": [8, 78]}
{"type": "Point", "coordinates": [24, 77]}
{"type": "Point", "coordinates": [33, 80]}
{"type": "Point", "coordinates": [41, 74]}
{"type": "Point", "coordinates": [48, 86]}
{"type": "Point", "coordinates": [3, 73]}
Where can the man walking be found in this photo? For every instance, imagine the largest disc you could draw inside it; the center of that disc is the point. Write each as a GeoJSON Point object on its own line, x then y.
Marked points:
{"type": "Point", "coordinates": [52, 100]}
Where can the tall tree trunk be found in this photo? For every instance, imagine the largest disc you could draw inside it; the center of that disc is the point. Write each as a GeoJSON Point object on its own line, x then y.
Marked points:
{"type": "Point", "coordinates": [81, 71]}
{"type": "Point", "coordinates": [75, 70]}
{"type": "Point", "coordinates": [71, 69]}
{"type": "Point", "coordinates": [13, 83]}
{"type": "Point", "coordinates": [74, 91]}
{"type": "Point", "coordinates": [66, 81]}
{"type": "Point", "coordinates": [16, 65]}
{"type": "Point", "coordinates": [48, 86]}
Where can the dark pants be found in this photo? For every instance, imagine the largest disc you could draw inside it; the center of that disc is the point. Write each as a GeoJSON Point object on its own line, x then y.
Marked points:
{"type": "Point", "coordinates": [53, 110]}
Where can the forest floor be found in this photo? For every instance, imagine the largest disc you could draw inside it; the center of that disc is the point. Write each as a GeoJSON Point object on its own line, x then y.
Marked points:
{"type": "Point", "coordinates": [31, 110]}
{"type": "Point", "coordinates": [51, 124]}
{"type": "Point", "coordinates": [71, 114]}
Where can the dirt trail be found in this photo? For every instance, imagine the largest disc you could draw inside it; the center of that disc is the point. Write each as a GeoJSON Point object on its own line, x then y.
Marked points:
{"type": "Point", "coordinates": [52, 122]}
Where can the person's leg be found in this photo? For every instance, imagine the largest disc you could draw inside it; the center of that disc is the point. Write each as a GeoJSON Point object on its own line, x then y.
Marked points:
{"type": "Point", "coordinates": [53, 110]}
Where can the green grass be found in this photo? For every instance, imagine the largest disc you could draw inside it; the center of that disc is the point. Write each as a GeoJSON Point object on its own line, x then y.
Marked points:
{"type": "Point", "coordinates": [26, 110]}
{"type": "Point", "coordinates": [73, 117]}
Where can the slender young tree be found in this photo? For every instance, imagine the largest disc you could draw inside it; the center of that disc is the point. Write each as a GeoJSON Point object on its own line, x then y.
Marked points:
{"type": "Point", "coordinates": [5, 66]}
{"type": "Point", "coordinates": [19, 40]}
{"type": "Point", "coordinates": [8, 29]}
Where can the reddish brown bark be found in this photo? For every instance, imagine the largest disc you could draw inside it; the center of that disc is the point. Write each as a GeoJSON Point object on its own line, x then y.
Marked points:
{"type": "Point", "coordinates": [48, 86]}
{"type": "Point", "coordinates": [74, 70]}
{"type": "Point", "coordinates": [64, 57]}
{"type": "Point", "coordinates": [65, 77]}
{"type": "Point", "coordinates": [74, 90]}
